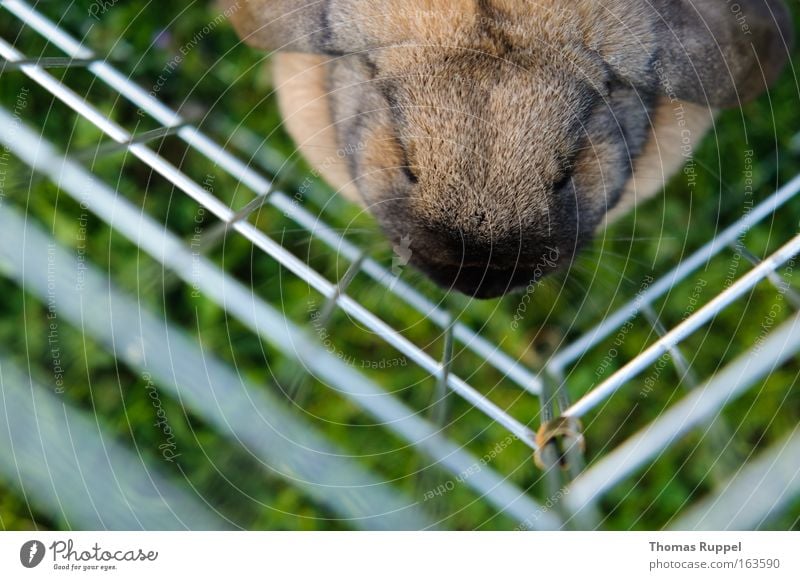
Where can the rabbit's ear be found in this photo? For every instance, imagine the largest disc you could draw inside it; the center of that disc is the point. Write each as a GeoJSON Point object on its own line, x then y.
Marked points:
{"type": "Point", "coordinates": [719, 53]}
{"type": "Point", "coordinates": [280, 25]}
{"type": "Point", "coordinates": [338, 27]}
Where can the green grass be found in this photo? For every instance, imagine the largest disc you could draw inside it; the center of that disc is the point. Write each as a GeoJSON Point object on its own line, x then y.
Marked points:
{"type": "Point", "coordinates": [209, 87]}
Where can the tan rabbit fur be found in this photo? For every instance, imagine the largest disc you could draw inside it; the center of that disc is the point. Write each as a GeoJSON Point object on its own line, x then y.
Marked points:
{"type": "Point", "coordinates": [497, 134]}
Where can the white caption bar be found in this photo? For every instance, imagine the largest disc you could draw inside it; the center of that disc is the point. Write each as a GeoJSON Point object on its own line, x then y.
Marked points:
{"type": "Point", "coordinates": [463, 555]}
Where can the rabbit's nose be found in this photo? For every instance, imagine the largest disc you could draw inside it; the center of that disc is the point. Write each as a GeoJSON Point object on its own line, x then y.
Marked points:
{"type": "Point", "coordinates": [481, 270]}
{"type": "Point", "coordinates": [482, 282]}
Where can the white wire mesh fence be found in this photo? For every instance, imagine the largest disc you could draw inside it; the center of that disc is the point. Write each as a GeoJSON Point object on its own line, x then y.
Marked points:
{"type": "Point", "coordinates": [281, 441]}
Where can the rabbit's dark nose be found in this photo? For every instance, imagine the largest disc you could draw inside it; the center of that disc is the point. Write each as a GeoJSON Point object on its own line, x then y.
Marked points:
{"type": "Point", "coordinates": [480, 269]}
{"type": "Point", "coordinates": [484, 258]}
{"type": "Point", "coordinates": [480, 282]}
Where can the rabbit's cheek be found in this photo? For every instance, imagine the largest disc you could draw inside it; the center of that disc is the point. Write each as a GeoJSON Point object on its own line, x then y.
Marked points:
{"type": "Point", "coordinates": [382, 167]}
{"type": "Point", "coordinates": [615, 138]}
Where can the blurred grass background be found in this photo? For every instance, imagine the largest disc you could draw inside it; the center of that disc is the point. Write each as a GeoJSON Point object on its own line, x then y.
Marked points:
{"type": "Point", "coordinates": [219, 84]}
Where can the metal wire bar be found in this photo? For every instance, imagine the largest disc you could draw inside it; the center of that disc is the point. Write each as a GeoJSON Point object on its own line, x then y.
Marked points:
{"type": "Point", "coordinates": [259, 184]}
{"type": "Point", "coordinates": [438, 411]}
{"type": "Point", "coordinates": [268, 245]}
{"type": "Point", "coordinates": [562, 452]}
{"type": "Point", "coordinates": [439, 407]}
{"type": "Point", "coordinates": [110, 148]}
{"type": "Point", "coordinates": [64, 464]}
{"type": "Point", "coordinates": [662, 286]}
{"type": "Point", "coordinates": [697, 409]}
{"type": "Point", "coordinates": [781, 285]}
{"type": "Point", "coordinates": [45, 62]}
{"type": "Point", "coordinates": [239, 301]}
{"type": "Point", "coordinates": [720, 457]}
{"type": "Point", "coordinates": [294, 389]}
{"type": "Point", "coordinates": [249, 415]}
{"type": "Point", "coordinates": [685, 329]}
{"type": "Point", "coordinates": [685, 373]}
{"type": "Point", "coordinates": [209, 239]}
{"type": "Point", "coordinates": [760, 490]}
{"type": "Point", "coordinates": [329, 308]}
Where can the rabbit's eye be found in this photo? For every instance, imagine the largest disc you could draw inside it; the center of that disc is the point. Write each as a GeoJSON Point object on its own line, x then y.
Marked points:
{"type": "Point", "coordinates": [406, 166]}
{"type": "Point", "coordinates": [409, 173]}
{"type": "Point", "coordinates": [563, 181]}
{"type": "Point", "coordinates": [567, 163]}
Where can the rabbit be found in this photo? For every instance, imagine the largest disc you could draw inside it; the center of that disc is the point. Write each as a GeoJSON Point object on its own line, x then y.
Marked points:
{"type": "Point", "coordinates": [494, 138]}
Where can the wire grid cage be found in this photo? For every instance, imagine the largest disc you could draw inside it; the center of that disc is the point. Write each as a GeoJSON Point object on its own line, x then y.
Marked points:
{"type": "Point", "coordinates": [475, 408]}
